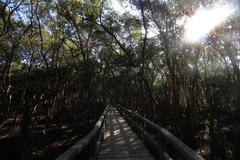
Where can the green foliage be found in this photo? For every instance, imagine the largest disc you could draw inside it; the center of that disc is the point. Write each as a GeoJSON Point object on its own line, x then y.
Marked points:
{"type": "Point", "coordinates": [70, 53]}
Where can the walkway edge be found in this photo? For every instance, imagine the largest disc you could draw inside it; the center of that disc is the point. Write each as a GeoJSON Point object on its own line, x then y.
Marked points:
{"type": "Point", "coordinates": [76, 149]}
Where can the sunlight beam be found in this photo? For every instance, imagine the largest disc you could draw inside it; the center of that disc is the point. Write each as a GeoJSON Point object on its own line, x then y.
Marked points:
{"type": "Point", "coordinates": [205, 20]}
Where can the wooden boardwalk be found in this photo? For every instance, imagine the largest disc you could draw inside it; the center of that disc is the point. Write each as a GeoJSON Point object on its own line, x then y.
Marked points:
{"type": "Point", "coordinates": [120, 142]}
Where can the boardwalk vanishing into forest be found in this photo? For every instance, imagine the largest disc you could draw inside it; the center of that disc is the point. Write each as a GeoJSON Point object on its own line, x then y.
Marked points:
{"type": "Point", "coordinates": [113, 138]}
{"type": "Point", "coordinates": [120, 141]}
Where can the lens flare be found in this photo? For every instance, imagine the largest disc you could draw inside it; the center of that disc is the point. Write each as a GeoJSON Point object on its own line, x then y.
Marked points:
{"type": "Point", "coordinates": [205, 20]}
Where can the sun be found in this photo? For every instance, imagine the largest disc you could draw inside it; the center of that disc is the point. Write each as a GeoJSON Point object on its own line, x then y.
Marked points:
{"type": "Point", "coordinates": [205, 20]}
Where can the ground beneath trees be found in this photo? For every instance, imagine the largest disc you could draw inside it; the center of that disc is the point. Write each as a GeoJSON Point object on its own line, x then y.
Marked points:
{"type": "Point", "coordinates": [43, 143]}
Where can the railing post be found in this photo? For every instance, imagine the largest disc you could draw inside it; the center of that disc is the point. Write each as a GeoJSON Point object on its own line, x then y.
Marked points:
{"type": "Point", "coordinates": [163, 147]}
{"type": "Point", "coordinates": [161, 144]}
{"type": "Point", "coordinates": [163, 138]}
{"type": "Point", "coordinates": [99, 140]}
{"type": "Point", "coordinates": [86, 148]}
{"type": "Point", "coordinates": [92, 149]}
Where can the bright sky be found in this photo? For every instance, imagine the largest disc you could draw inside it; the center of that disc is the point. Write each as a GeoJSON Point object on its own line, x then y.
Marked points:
{"type": "Point", "coordinates": [205, 20]}
{"type": "Point", "coordinates": [197, 27]}
{"type": "Point", "coordinates": [123, 8]}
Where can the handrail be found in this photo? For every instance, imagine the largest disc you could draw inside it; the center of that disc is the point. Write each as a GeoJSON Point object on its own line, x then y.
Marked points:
{"type": "Point", "coordinates": [183, 149]}
{"type": "Point", "coordinates": [76, 149]}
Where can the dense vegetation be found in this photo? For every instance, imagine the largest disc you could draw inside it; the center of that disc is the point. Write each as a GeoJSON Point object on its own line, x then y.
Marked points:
{"type": "Point", "coordinates": [62, 60]}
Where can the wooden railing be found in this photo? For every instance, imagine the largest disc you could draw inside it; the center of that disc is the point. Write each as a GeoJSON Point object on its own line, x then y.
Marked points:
{"type": "Point", "coordinates": [165, 144]}
{"type": "Point", "coordinates": [89, 146]}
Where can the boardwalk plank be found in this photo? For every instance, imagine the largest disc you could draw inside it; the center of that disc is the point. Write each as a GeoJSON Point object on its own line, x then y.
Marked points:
{"type": "Point", "coordinates": [120, 142]}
